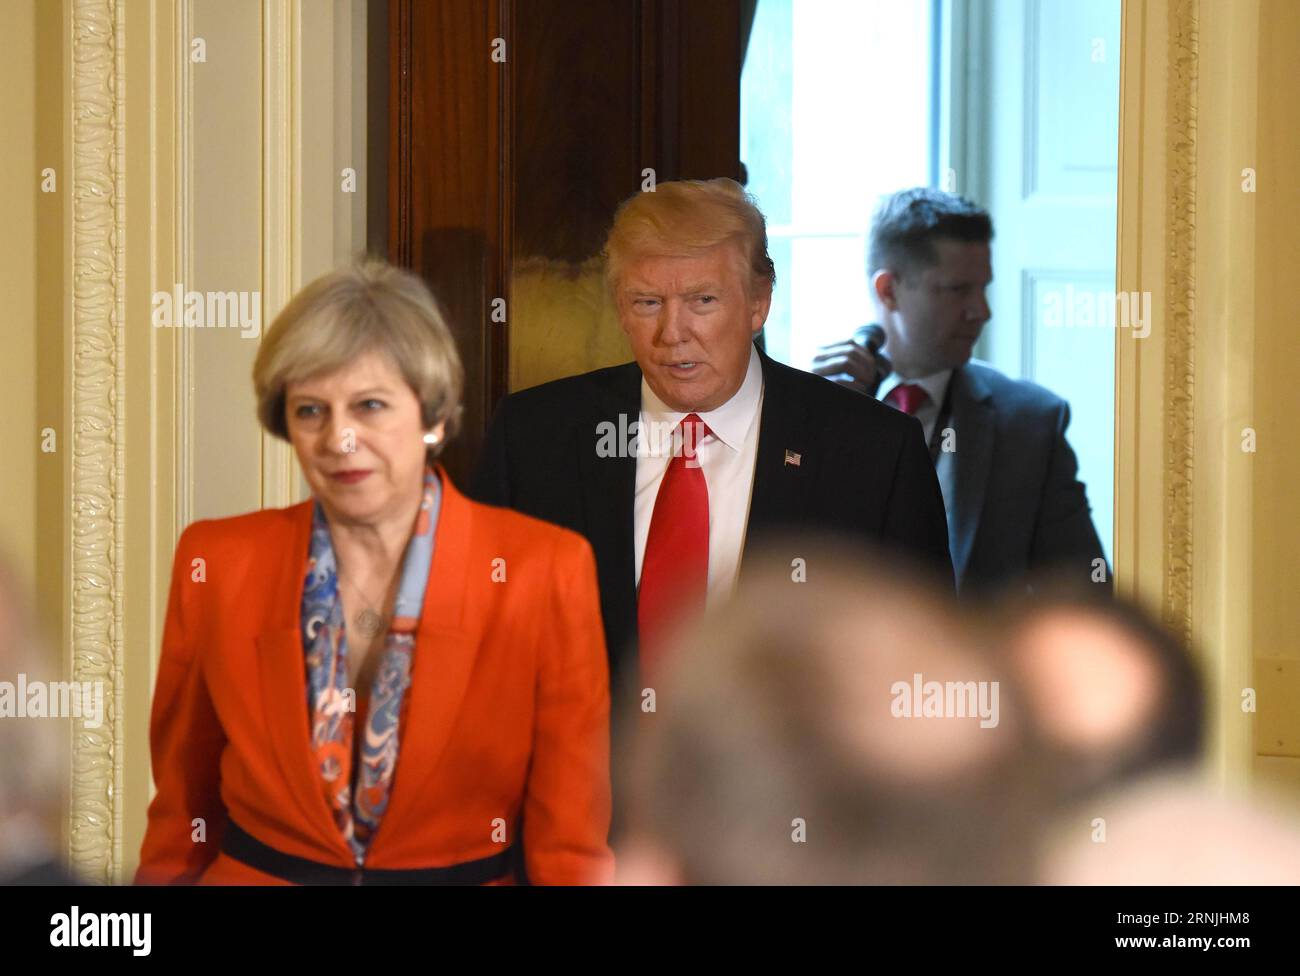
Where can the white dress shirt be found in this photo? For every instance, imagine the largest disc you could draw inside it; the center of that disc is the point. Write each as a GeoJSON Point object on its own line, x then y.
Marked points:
{"type": "Point", "coordinates": [727, 458]}
{"type": "Point", "coordinates": [936, 386]}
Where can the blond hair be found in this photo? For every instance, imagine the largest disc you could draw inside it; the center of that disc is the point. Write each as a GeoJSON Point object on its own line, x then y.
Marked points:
{"type": "Point", "coordinates": [369, 306]}
{"type": "Point", "coordinates": [683, 218]}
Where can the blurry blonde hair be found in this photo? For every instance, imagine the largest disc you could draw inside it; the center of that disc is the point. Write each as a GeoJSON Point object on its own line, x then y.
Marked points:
{"type": "Point", "coordinates": [683, 218]}
{"type": "Point", "coordinates": [368, 306]}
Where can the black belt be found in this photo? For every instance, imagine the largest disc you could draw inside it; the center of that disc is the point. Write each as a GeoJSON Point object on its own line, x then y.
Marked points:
{"type": "Point", "coordinates": [243, 846]}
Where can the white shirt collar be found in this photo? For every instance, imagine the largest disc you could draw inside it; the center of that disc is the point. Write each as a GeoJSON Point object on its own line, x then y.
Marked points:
{"type": "Point", "coordinates": [730, 423]}
{"type": "Point", "coordinates": [935, 385]}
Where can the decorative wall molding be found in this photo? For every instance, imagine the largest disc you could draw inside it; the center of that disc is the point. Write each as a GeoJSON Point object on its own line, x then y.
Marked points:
{"type": "Point", "coordinates": [184, 220]}
{"type": "Point", "coordinates": [1180, 300]}
{"type": "Point", "coordinates": [97, 350]}
{"type": "Point", "coordinates": [1185, 542]}
{"type": "Point", "coordinates": [281, 194]}
{"type": "Point", "coordinates": [117, 366]}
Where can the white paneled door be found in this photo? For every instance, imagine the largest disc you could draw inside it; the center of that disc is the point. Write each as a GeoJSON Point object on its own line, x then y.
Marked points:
{"type": "Point", "coordinates": [1046, 118]}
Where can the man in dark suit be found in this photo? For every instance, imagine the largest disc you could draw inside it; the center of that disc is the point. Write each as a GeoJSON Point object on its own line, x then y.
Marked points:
{"type": "Point", "coordinates": [1016, 508]}
{"type": "Point", "coordinates": [674, 465]}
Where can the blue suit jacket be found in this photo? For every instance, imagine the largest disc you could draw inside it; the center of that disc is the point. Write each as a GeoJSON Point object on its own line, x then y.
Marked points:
{"type": "Point", "coordinates": [1017, 506]}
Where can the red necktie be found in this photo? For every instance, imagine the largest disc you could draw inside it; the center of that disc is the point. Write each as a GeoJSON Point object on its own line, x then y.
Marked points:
{"type": "Point", "coordinates": [907, 397]}
{"type": "Point", "coordinates": [675, 567]}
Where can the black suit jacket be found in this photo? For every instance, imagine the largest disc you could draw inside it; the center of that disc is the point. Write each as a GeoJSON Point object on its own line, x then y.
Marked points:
{"type": "Point", "coordinates": [1017, 508]}
{"type": "Point", "coordinates": [863, 472]}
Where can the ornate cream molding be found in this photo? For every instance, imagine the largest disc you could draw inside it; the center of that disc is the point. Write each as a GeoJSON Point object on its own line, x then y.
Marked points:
{"type": "Point", "coordinates": [1180, 300]}
{"type": "Point", "coordinates": [97, 395]}
{"type": "Point", "coordinates": [282, 192]}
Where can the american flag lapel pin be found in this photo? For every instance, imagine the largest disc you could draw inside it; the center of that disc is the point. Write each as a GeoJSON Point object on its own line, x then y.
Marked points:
{"type": "Point", "coordinates": [791, 458]}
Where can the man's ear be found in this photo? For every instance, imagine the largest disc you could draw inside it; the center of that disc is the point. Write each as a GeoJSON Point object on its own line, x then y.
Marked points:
{"type": "Point", "coordinates": [759, 306]}
{"type": "Point", "coordinates": [883, 286]}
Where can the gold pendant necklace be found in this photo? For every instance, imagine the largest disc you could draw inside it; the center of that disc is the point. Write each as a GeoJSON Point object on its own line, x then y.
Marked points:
{"type": "Point", "coordinates": [369, 621]}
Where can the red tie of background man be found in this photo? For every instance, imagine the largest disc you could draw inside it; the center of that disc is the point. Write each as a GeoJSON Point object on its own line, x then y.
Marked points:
{"type": "Point", "coordinates": [907, 397]}
{"type": "Point", "coordinates": [675, 567]}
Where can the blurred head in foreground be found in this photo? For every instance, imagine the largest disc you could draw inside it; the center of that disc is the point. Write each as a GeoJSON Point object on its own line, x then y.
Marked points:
{"type": "Point", "coordinates": [1116, 695]}
{"type": "Point", "coordinates": [1174, 830]}
{"type": "Point", "coordinates": [33, 759]}
{"type": "Point", "coordinates": [851, 728]}
{"type": "Point", "coordinates": [1121, 706]}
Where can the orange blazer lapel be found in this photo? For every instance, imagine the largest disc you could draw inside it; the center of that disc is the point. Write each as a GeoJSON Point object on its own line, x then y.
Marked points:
{"type": "Point", "coordinates": [445, 648]}
{"type": "Point", "coordinates": [446, 645]}
{"type": "Point", "coordinates": [282, 668]}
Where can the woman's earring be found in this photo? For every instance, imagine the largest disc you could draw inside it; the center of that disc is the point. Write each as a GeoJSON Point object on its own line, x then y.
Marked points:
{"type": "Point", "coordinates": [432, 439]}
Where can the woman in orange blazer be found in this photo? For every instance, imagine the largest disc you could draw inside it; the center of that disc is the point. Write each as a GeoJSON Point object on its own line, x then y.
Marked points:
{"type": "Point", "coordinates": [388, 682]}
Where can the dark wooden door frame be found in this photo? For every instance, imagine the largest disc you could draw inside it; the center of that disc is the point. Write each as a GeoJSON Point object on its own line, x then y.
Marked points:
{"type": "Point", "coordinates": [687, 57]}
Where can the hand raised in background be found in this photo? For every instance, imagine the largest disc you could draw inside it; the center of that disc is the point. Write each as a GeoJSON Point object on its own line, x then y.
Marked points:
{"type": "Point", "coordinates": [856, 363]}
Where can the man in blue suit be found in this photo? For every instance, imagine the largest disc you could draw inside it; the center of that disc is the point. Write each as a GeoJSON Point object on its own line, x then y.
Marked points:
{"type": "Point", "coordinates": [1016, 509]}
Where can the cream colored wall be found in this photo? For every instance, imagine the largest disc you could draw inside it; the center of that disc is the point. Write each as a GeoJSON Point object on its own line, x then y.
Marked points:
{"type": "Point", "coordinates": [274, 117]}
{"type": "Point", "coordinates": [32, 261]}
{"type": "Point", "coordinates": [1274, 596]}
{"type": "Point", "coordinates": [267, 124]}
{"type": "Point", "coordinates": [147, 445]}
{"type": "Point", "coordinates": [332, 77]}
{"type": "Point", "coordinates": [1206, 531]}
{"type": "Point", "coordinates": [276, 114]}
{"type": "Point", "coordinates": [18, 211]}
{"type": "Point", "coordinates": [220, 176]}
{"type": "Point", "coordinates": [222, 195]}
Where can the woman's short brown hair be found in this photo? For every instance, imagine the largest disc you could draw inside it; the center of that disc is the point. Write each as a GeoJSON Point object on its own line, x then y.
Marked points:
{"type": "Point", "coordinates": [368, 306]}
